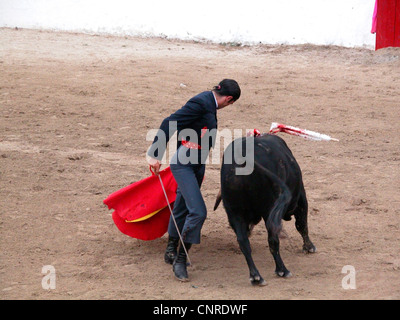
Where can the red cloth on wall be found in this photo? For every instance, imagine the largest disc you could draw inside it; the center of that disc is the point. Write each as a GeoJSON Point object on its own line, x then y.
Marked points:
{"type": "Point", "coordinates": [388, 24]}
{"type": "Point", "coordinates": [373, 28]}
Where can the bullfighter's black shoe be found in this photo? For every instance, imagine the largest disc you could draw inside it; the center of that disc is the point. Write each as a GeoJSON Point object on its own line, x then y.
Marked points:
{"type": "Point", "coordinates": [172, 249]}
{"type": "Point", "coordinates": [180, 264]}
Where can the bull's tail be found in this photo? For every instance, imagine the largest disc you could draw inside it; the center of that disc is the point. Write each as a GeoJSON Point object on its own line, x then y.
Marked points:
{"type": "Point", "coordinates": [218, 200]}
{"type": "Point", "coordinates": [274, 221]}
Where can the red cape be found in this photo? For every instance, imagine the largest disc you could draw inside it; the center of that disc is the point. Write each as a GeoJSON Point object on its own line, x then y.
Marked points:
{"type": "Point", "coordinates": [141, 210]}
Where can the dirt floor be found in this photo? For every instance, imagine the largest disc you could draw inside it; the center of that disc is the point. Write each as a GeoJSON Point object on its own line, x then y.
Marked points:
{"type": "Point", "coordinates": [75, 111]}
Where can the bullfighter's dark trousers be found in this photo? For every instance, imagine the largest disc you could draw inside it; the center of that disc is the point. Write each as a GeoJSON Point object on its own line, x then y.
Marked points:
{"type": "Point", "coordinates": [189, 208]}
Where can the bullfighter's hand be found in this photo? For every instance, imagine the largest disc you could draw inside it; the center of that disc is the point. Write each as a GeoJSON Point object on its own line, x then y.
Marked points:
{"type": "Point", "coordinates": [154, 164]}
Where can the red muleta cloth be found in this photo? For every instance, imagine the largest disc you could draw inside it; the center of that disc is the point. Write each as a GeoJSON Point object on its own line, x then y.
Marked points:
{"type": "Point", "coordinates": [141, 210]}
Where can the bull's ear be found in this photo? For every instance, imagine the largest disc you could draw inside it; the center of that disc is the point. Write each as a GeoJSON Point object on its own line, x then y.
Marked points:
{"type": "Point", "coordinates": [218, 200]}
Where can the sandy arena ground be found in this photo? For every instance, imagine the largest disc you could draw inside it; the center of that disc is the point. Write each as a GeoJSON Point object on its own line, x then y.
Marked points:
{"type": "Point", "coordinates": [75, 110]}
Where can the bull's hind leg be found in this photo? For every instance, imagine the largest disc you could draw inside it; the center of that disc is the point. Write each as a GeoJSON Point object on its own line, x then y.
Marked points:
{"type": "Point", "coordinates": [241, 231]}
{"type": "Point", "coordinates": [273, 243]}
{"type": "Point", "coordinates": [300, 215]}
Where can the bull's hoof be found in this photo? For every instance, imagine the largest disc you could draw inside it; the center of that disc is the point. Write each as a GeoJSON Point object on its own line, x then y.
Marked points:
{"type": "Point", "coordinates": [283, 273]}
{"type": "Point", "coordinates": [309, 248]}
{"type": "Point", "coordinates": [258, 281]}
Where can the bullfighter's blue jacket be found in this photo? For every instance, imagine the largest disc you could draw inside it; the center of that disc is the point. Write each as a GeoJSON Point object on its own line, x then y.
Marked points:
{"type": "Point", "coordinates": [198, 114]}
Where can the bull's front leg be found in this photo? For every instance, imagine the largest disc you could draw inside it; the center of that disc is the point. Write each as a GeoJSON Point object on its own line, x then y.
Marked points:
{"type": "Point", "coordinates": [308, 246]}
{"type": "Point", "coordinates": [301, 223]}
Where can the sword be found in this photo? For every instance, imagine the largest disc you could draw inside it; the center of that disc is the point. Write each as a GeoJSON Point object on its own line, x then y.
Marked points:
{"type": "Point", "coordinates": [173, 218]}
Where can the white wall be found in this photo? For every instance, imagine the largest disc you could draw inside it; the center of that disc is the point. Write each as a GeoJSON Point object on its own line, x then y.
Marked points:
{"type": "Point", "coordinates": [323, 22]}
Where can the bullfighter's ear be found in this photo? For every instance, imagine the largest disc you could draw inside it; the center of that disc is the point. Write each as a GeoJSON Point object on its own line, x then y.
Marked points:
{"type": "Point", "coordinates": [218, 200]}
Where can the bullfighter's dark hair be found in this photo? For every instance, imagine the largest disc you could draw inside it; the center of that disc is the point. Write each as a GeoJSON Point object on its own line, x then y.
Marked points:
{"type": "Point", "coordinates": [228, 87]}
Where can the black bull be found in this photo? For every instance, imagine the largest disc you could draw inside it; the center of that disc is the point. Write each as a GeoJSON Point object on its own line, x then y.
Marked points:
{"type": "Point", "coordinates": [273, 191]}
